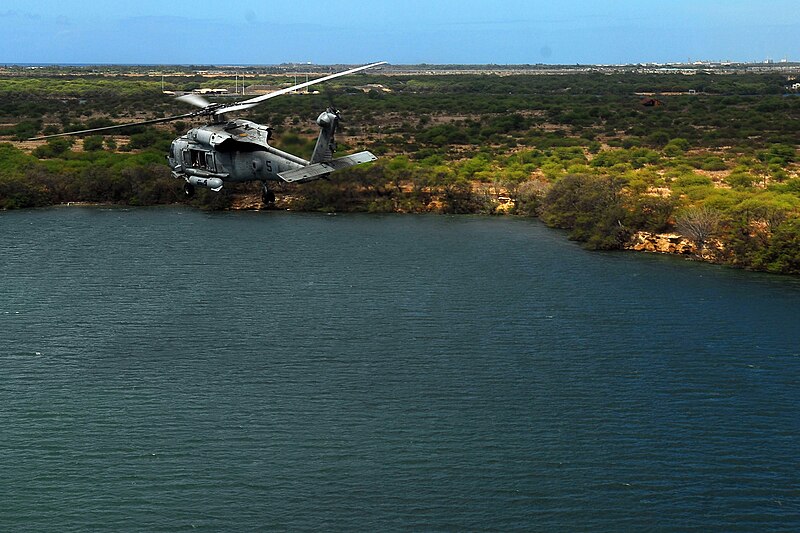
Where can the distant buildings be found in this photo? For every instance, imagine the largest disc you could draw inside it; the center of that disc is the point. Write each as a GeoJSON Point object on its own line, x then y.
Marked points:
{"type": "Point", "coordinates": [210, 91]}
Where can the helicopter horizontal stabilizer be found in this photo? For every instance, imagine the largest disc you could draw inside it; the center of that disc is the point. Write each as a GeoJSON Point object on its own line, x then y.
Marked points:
{"type": "Point", "coordinates": [320, 170]}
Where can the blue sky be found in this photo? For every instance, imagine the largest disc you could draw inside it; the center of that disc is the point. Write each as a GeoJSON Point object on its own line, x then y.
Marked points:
{"type": "Point", "coordinates": [398, 31]}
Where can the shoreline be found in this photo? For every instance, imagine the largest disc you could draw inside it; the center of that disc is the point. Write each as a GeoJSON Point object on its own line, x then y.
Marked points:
{"type": "Point", "coordinates": [668, 244]}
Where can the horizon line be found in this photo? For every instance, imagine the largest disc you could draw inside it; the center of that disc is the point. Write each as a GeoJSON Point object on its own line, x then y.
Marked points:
{"type": "Point", "coordinates": [402, 65]}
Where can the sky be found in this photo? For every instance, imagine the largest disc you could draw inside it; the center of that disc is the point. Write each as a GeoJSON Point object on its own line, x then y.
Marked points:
{"type": "Point", "coordinates": [264, 32]}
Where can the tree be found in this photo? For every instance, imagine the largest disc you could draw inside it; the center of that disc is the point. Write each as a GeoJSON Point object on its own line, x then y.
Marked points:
{"type": "Point", "coordinates": [591, 206]}
{"type": "Point", "coordinates": [26, 129]}
{"type": "Point", "coordinates": [54, 148]}
{"type": "Point", "coordinates": [676, 147]}
{"type": "Point", "coordinates": [779, 154]}
{"type": "Point", "coordinates": [651, 213]}
{"type": "Point", "coordinates": [698, 224]}
{"type": "Point", "coordinates": [529, 196]}
{"type": "Point", "coordinates": [93, 143]}
{"type": "Point", "coordinates": [783, 253]}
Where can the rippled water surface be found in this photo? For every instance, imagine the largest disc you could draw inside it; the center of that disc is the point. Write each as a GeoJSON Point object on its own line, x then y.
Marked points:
{"type": "Point", "coordinates": [168, 370]}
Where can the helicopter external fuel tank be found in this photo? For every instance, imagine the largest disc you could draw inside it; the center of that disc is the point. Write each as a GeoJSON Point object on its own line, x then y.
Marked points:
{"type": "Point", "coordinates": [214, 184]}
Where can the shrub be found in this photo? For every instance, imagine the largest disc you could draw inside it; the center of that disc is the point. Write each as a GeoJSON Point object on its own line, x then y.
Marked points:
{"type": "Point", "coordinates": [54, 148]}
{"type": "Point", "coordinates": [591, 207]}
{"type": "Point", "coordinates": [698, 224]}
{"type": "Point", "coordinates": [740, 180]}
{"type": "Point", "coordinates": [676, 147]}
{"type": "Point", "coordinates": [782, 255]}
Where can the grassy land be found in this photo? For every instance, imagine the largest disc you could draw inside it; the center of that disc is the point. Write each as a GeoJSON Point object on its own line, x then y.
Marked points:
{"type": "Point", "coordinates": [715, 158]}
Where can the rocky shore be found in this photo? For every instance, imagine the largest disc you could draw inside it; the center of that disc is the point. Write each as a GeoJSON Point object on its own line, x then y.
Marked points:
{"type": "Point", "coordinates": [662, 243]}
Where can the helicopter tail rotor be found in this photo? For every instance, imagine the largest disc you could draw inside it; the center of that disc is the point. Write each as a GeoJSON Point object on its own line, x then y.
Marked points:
{"type": "Point", "coordinates": [328, 122]}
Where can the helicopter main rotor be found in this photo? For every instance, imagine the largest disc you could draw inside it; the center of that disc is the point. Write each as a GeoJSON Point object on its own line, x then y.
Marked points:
{"type": "Point", "coordinates": [215, 110]}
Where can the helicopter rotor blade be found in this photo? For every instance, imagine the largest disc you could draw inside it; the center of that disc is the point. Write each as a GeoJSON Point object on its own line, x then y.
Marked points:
{"type": "Point", "coordinates": [115, 127]}
{"type": "Point", "coordinates": [207, 108]}
{"type": "Point", "coordinates": [233, 107]}
{"type": "Point", "coordinates": [246, 104]}
{"type": "Point", "coordinates": [194, 99]}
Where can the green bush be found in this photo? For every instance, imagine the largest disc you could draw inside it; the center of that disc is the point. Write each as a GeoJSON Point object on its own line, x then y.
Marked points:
{"type": "Point", "coordinates": [782, 255]}
{"type": "Point", "coordinates": [676, 147]}
{"type": "Point", "coordinates": [740, 180]}
{"type": "Point", "coordinates": [93, 143]}
{"type": "Point", "coordinates": [779, 154]}
{"type": "Point", "coordinates": [591, 207]}
{"type": "Point", "coordinates": [692, 180]}
{"type": "Point", "coordinates": [54, 148]}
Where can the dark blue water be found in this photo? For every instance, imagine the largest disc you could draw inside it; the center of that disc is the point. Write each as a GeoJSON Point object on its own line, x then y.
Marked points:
{"type": "Point", "coordinates": [170, 370]}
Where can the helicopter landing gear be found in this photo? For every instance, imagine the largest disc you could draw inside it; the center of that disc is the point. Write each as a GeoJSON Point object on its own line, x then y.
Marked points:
{"type": "Point", "coordinates": [188, 190]}
{"type": "Point", "coordinates": [267, 196]}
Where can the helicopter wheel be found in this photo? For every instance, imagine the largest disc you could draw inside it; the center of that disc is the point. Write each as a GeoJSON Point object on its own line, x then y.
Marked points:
{"type": "Point", "coordinates": [188, 190]}
{"type": "Point", "coordinates": [267, 196]}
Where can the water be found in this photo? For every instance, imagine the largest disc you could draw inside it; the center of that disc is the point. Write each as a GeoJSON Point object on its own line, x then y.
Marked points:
{"type": "Point", "coordinates": [169, 370]}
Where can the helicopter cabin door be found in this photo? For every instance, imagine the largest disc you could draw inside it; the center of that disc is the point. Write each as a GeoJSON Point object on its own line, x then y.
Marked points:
{"type": "Point", "coordinates": [202, 159]}
{"type": "Point", "coordinates": [210, 166]}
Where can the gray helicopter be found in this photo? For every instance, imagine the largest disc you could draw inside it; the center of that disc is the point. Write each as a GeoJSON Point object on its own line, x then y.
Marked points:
{"type": "Point", "coordinates": [238, 150]}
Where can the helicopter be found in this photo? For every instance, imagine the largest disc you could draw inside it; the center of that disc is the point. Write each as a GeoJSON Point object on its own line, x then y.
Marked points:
{"type": "Point", "coordinates": [238, 150]}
